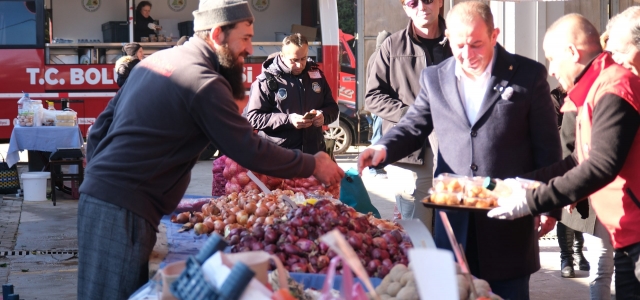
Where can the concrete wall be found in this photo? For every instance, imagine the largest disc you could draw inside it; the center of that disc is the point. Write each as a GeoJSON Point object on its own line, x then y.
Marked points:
{"type": "Point", "coordinates": [278, 17]}
{"type": "Point", "coordinates": [381, 15]}
{"type": "Point", "coordinates": [72, 21]}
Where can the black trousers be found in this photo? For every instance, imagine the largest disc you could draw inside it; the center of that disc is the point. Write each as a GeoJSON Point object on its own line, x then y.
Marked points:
{"type": "Point", "coordinates": [627, 263]}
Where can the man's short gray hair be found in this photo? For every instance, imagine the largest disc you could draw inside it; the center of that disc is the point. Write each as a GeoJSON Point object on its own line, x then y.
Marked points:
{"type": "Point", "coordinates": [465, 12]}
{"type": "Point", "coordinates": [628, 20]}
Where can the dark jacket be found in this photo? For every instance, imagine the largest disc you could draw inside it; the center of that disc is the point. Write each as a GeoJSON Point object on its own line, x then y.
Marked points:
{"type": "Point", "coordinates": [141, 27]}
{"type": "Point", "coordinates": [511, 137]}
{"type": "Point", "coordinates": [393, 81]}
{"type": "Point", "coordinates": [142, 147]}
{"type": "Point", "coordinates": [582, 218]}
{"type": "Point", "coordinates": [268, 110]}
{"type": "Point", "coordinates": [124, 65]}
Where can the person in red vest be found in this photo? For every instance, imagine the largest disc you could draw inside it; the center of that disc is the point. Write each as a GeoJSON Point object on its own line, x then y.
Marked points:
{"type": "Point", "coordinates": [605, 163]}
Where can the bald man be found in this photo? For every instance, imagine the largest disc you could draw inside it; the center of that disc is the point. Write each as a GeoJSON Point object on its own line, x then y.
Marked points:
{"type": "Point", "coordinates": [606, 161]}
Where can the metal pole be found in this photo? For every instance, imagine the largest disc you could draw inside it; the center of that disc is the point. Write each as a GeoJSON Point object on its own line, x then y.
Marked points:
{"type": "Point", "coordinates": [130, 21]}
{"type": "Point", "coordinates": [360, 60]}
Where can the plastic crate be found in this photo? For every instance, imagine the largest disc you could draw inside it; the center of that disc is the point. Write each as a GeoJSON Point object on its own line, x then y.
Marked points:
{"type": "Point", "coordinates": [186, 28]}
{"type": "Point", "coordinates": [115, 32]}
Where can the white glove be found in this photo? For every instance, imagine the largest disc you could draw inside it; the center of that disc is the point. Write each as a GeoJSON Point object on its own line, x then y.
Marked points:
{"type": "Point", "coordinates": [152, 26]}
{"type": "Point", "coordinates": [514, 206]}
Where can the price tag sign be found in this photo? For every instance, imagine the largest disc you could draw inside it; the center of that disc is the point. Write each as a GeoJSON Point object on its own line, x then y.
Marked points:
{"type": "Point", "coordinates": [418, 233]}
{"type": "Point", "coordinates": [435, 273]}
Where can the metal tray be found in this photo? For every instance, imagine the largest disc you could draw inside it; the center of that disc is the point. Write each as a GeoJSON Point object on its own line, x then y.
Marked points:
{"type": "Point", "coordinates": [456, 207]}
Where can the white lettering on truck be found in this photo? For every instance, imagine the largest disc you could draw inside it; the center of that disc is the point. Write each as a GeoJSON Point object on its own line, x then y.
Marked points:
{"type": "Point", "coordinates": [47, 77]}
{"type": "Point", "coordinates": [77, 76]}
{"type": "Point", "coordinates": [247, 75]}
{"type": "Point", "coordinates": [32, 75]}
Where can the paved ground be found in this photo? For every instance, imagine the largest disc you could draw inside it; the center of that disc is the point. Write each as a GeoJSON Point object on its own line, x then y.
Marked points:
{"type": "Point", "coordinates": [48, 235]}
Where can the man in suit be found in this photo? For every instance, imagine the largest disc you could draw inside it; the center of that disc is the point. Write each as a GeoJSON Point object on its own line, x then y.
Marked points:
{"type": "Point", "coordinates": [493, 116]}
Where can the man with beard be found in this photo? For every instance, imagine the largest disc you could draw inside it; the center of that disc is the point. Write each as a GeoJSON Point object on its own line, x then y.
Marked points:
{"type": "Point", "coordinates": [288, 88]}
{"type": "Point", "coordinates": [142, 147]}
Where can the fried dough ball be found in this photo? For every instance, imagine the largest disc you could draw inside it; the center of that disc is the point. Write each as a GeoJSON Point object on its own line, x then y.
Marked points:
{"type": "Point", "coordinates": [440, 187]}
{"type": "Point", "coordinates": [452, 199]}
{"type": "Point", "coordinates": [454, 186]}
{"type": "Point", "coordinates": [470, 201]}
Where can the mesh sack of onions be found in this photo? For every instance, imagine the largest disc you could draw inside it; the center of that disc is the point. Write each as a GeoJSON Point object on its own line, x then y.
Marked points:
{"type": "Point", "coordinates": [237, 181]}
{"type": "Point", "coordinates": [219, 182]}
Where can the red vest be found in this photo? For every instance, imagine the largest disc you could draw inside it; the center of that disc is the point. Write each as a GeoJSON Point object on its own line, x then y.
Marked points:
{"type": "Point", "coordinates": [617, 205]}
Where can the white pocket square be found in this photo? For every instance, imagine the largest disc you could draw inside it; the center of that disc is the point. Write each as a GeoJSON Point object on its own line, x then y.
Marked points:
{"type": "Point", "coordinates": [507, 93]}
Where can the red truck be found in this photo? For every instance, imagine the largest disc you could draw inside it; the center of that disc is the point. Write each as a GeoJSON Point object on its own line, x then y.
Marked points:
{"type": "Point", "coordinates": [67, 50]}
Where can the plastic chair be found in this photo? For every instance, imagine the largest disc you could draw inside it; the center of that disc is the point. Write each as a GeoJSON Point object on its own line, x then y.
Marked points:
{"type": "Point", "coordinates": [65, 157]}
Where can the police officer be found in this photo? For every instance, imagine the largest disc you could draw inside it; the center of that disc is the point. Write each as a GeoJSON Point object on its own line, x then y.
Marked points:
{"type": "Point", "coordinates": [291, 100]}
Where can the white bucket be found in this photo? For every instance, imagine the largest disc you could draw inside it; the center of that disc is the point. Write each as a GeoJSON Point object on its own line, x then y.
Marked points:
{"type": "Point", "coordinates": [34, 185]}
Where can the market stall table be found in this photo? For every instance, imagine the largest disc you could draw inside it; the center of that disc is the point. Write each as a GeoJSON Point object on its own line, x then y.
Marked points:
{"type": "Point", "coordinates": [43, 139]}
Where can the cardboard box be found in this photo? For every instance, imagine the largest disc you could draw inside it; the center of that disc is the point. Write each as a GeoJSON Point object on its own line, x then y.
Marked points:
{"type": "Point", "coordinates": [308, 32]}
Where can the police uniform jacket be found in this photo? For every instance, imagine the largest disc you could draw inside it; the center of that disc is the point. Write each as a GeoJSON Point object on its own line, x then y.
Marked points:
{"type": "Point", "coordinates": [276, 94]}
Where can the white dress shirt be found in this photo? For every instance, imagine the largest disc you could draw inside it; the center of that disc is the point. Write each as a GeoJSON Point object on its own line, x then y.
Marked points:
{"type": "Point", "coordinates": [472, 91]}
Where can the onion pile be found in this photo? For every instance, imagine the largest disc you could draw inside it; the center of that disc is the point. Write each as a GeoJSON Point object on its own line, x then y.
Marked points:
{"type": "Point", "coordinates": [219, 182]}
{"type": "Point", "coordinates": [295, 241]}
{"type": "Point", "coordinates": [236, 180]}
{"type": "Point", "coordinates": [237, 210]}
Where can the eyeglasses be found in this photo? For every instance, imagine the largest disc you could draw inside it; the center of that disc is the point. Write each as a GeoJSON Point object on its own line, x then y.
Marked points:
{"type": "Point", "coordinates": [414, 3]}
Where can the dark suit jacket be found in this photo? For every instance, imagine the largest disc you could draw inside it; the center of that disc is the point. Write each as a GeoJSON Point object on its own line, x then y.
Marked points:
{"type": "Point", "coordinates": [510, 137]}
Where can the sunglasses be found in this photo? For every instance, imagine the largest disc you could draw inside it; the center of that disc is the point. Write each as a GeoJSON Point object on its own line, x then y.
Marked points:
{"type": "Point", "coordinates": [414, 3]}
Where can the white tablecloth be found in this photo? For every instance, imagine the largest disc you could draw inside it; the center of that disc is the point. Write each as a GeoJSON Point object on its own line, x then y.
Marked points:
{"type": "Point", "coordinates": [42, 138]}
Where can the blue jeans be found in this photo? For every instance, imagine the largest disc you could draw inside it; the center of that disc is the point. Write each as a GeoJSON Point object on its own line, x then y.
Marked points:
{"type": "Point", "coordinates": [627, 262]}
{"type": "Point", "coordinates": [600, 276]}
{"type": "Point", "coordinates": [377, 129]}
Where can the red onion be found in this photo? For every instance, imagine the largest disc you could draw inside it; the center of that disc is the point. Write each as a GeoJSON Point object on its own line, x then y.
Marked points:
{"type": "Point", "coordinates": [293, 259]}
{"type": "Point", "coordinates": [256, 246]}
{"type": "Point", "coordinates": [306, 245]}
{"type": "Point", "coordinates": [383, 271]}
{"type": "Point", "coordinates": [373, 266]}
{"type": "Point", "coordinates": [258, 232]}
{"type": "Point", "coordinates": [291, 249]}
{"type": "Point", "coordinates": [396, 233]}
{"type": "Point", "coordinates": [291, 238]}
{"type": "Point", "coordinates": [234, 239]}
{"type": "Point", "coordinates": [322, 261]}
{"type": "Point", "coordinates": [296, 222]}
{"type": "Point", "coordinates": [298, 268]}
{"type": "Point", "coordinates": [270, 236]}
{"type": "Point", "coordinates": [391, 240]}
{"type": "Point", "coordinates": [271, 248]}
{"type": "Point", "coordinates": [379, 242]}
{"type": "Point", "coordinates": [387, 263]}
{"type": "Point", "coordinates": [355, 241]}
{"type": "Point", "coordinates": [301, 232]}
{"type": "Point", "coordinates": [376, 253]}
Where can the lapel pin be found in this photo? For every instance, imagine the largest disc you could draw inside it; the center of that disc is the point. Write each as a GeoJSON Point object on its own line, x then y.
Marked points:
{"type": "Point", "coordinates": [510, 68]}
